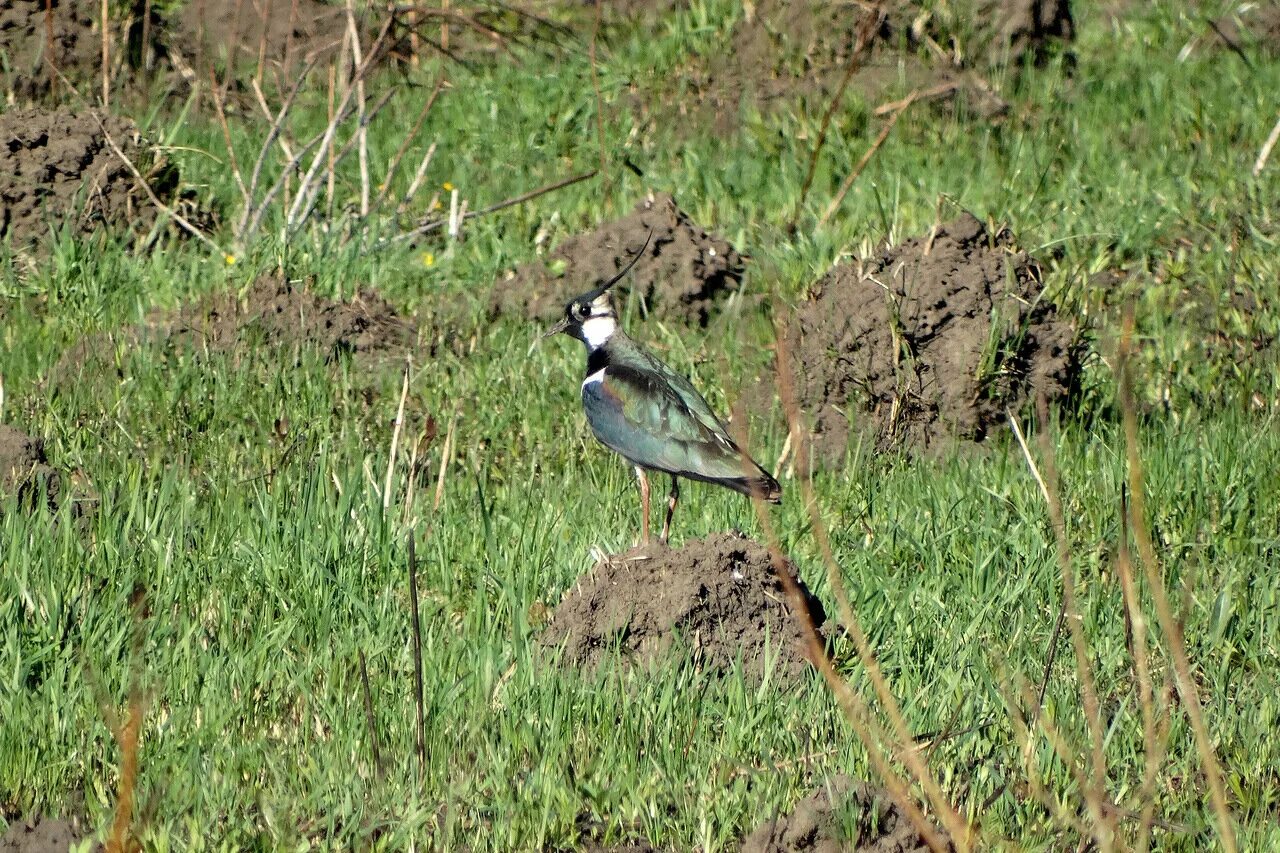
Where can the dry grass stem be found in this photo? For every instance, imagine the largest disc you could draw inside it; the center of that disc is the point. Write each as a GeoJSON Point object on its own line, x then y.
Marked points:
{"type": "Point", "coordinates": [1152, 751]}
{"type": "Point", "coordinates": [1095, 792]}
{"type": "Point", "coordinates": [957, 828]}
{"type": "Point", "coordinates": [446, 453]}
{"type": "Point", "coordinates": [1169, 626]}
{"type": "Point", "coordinates": [1265, 152]}
{"type": "Point", "coordinates": [395, 435]}
{"type": "Point", "coordinates": [866, 32]}
{"type": "Point", "coordinates": [866, 158]}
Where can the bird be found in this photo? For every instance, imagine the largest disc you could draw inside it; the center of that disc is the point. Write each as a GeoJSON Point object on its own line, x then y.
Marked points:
{"type": "Point", "coordinates": [648, 413]}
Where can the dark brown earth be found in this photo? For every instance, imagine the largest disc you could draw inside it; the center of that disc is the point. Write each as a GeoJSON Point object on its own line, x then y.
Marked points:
{"type": "Point", "coordinates": [281, 35]}
{"type": "Point", "coordinates": [57, 170]}
{"type": "Point", "coordinates": [277, 312]}
{"type": "Point", "coordinates": [786, 53]}
{"type": "Point", "coordinates": [720, 595]}
{"type": "Point", "coordinates": [815, 825]}
{"type": "Point", "coordinates": [683, 274]}
{"type": "Point", "coordinates": [65, 32]}
{"type": "Point", "coordinates": [1252, 24]}
{"type": "Point", "coordinates": [274, 313]}
{"type": "Point", "coordinates": [42, 835]}
{"type": "Point", "coordinates": [930, 340]}
{"type": "Point", "coordinates": [25, 472]}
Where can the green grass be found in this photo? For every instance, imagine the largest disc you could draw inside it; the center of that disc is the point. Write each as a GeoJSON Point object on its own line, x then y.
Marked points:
{"type": "Point", "coordinates": [262, 590]}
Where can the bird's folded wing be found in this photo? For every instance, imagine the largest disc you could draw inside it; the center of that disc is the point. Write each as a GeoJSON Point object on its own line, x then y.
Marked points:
{"type": "Point", "coordinates": [641, 416]}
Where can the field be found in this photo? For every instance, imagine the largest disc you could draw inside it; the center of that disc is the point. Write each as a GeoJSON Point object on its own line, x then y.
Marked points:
{"type": "Point", "coordinates": [215, 451]}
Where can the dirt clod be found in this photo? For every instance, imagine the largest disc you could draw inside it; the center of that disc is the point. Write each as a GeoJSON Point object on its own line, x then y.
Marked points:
{"type": "Point", "coordinates": [35, 34]}
{"type": "Point", "coordinates": [1251, 24]}
{"type": "Point", "coordinates": [276, 312]}
{"type": "Point", "coordinates": [682, 275]}
{"type": "Point", "coordinates": [57, 170]}
{"type": "Point", "coordinates": [42, 834]}
{"type": "Point", "coordinates": [931, 339]}
{"type": "Point", "coordinates": [719, 596]}
{"type": "Point", "coordinates": [784, 53]}
{"type": "Point", "coordinates": [842, 815]}
{"type": "Point", "coordinates": [281, 34]}
{"type": "Point", "coordinates": [25, 472]}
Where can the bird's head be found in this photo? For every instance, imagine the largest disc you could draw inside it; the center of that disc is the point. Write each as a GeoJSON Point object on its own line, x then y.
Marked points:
{"type": "Point", "coordinates": [592, 317]}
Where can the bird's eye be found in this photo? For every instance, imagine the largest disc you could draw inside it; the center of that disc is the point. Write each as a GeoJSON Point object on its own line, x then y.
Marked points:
{"type": "Point", "coordinates": [579, 311]}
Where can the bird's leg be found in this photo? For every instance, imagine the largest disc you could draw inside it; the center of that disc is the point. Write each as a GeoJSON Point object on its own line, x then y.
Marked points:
{"type": "Point", "coordinates": [671, 507]}
{"type": "Point", "coordinates": [644, 505]}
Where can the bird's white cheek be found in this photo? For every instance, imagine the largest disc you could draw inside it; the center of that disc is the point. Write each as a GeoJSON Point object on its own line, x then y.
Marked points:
{"type": "Point", "coordinates": [598, 330]}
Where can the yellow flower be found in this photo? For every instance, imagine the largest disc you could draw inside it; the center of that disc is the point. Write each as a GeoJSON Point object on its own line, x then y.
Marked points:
{"type": "Point", "coordinates": [435, 204]}
{"type": "Point", "coordinates": [448, 187]}
{"type": "Point", "coordinates": [230, 259]}
{"type": "Point", "coordinates": [428, 259]}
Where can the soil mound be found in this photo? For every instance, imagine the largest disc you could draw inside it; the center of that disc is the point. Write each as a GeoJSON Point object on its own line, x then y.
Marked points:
{"type": "Point", "coordinates": [1252, 24]}
{"type": "Point", "coordinates": [782, 51]}
{"type": "Point", "coordinates": [719, 595]}
{"type": "Point", "coordinates": [932, 339]}
{"type": "Point", "coordinates": [61, 31]}
{"type": "Point", "coordinates": [57, 170]}
{"type": "Point", "coordinates": [42, 835]}
{"type": "Point", "coordinates": [682, 275]}
{"type": "Point", "coordinates": [841, 816]}
{"type": "Point", "coordinates": [25, 472]}
{"type": "Point", "coordinates": [239, 34]}
{"type": "Point", "coordinates": [276, 313]}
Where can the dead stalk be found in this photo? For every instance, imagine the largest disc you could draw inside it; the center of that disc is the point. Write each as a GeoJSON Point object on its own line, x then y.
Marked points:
{"type": "Point", "coordinates": [370, 719]}
{"type": "Point", "coordinates": [446, 453]}
{"type": "Point", "coordinates": [219, 108]}
{"type": "Point", "coordinates": [420, 730]}
{"type": "Point", "coordinates": [961, 834]}
{"type": "Point", "coordinates": [106, 55]}
{"type": "Point", "coordinates": [855, 709]}
{"type": "Point", "coordinates": [394, 163]}
{"type": "Point", "coordinates": [866, 158]}
{"type": "Point", "coordinates": [1095, 792]}
{"type": "Point", "coordinates": [866, 32]}
{"type": "Point", "coordinates": [292, 220]}
{"type": "Point", "coordinates": [1138, 648]}
{"type": "Point", "coordinates": [1265, 153]}
{"type": "Point", "coordinates": [418, 177]}
{"type": "Point", "coordinates": [395, 435]}
{"type": "Point", "coordinates": [1164, 612]}
{"type": "Point", "coordinates": [437, 224]}
{"type": "Point", "coordinates": [362, 131]}
{"type": "Point", "coordinates": [142, 182]}
{"type": "Point", "coordinates": [595, 85]}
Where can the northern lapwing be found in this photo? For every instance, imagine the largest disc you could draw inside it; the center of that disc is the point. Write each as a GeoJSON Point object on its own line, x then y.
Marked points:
{"type": "Point", "coordinates": [650, 415]}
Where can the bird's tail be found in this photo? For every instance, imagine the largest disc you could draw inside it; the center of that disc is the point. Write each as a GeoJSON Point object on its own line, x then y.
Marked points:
{"type": "Point", "coordinates": [766, 488]}
{"type": "Point", "coordinates": [763, 486]}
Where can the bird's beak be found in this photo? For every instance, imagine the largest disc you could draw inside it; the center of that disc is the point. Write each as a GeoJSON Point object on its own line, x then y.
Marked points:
{"type": "Point", "coordinates": [557, 328]}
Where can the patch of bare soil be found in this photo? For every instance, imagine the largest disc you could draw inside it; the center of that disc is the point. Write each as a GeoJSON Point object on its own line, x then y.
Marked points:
{"type": "Point", "coordinates": [25, 472]}
{"type": "Point", "coordinates": [785, 51]}
{"type": "Point", "coordinates": [718, 596]}
{"type": "Point", "coordinates": [57, 170]}
{"type": "Point", "coordinates": [279, 34]}
{"type": "Point", "coordinates": [839, 817]}
{"type": "Point", "coordinates": [683, 274]}
{"type": "Point", "coordinates": [275, 312]}
{"type": "Point", "coordinates": [929, 340]}
{"type": "Point", "coordinates": [42, 835]}
{"type": "Point", "coordinates": [65, 32]}
{"type": "Point", "coordinates": [1252, 24]}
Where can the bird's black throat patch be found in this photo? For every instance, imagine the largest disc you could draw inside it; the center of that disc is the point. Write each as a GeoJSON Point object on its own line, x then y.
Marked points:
{"type": "Point", "coordinates": [597, 359]}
